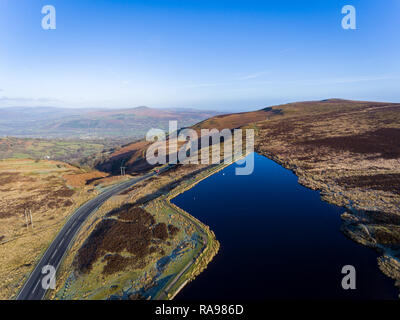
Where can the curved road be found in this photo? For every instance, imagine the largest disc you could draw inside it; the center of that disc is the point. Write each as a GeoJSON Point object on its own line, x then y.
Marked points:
{"type": "Point", "coordinates": [32, 289]}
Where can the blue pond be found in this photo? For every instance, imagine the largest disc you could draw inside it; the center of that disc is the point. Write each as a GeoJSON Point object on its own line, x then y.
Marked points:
{"type": "Point", "coordinates": [278, 240]}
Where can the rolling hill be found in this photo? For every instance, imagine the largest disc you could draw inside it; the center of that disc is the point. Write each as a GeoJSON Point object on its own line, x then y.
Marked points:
{"type": "Point", "coordinates": [348, 150]}
{"type": "Point", "coordinates": [348, 145]}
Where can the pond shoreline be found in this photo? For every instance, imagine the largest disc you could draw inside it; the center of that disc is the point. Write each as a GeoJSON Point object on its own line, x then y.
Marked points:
{"type": "Point", "coordinates": [193, 212]}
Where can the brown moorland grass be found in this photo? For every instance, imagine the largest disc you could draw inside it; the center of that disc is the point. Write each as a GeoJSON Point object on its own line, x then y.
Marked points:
{"type": "Point", "coordinates": [82, 179]}
{"type": "Point", "coordinates": [386, 182]}
{"type": "Point", "coordinates": [38, 187]}
{"type": "Point", "coordinates": [384, 142]}
{"type": "Point", "coordinates": [236, 120]}
{"type": "Point", "coordinates": [129, 230]}
{"type": "Point", "coordinates": [133, 155]}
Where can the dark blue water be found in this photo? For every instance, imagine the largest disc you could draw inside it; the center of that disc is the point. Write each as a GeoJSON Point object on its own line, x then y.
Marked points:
{"type": "Point", "coordinates": [278, 240]}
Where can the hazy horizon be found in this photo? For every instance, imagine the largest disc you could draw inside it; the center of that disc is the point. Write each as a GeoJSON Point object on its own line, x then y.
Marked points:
{"type": "Point", "coordinates": [222, 110]}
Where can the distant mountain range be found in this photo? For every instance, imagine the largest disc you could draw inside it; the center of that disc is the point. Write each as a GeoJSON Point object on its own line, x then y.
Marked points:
{"type": "Point", "coordinates": [50, 122]}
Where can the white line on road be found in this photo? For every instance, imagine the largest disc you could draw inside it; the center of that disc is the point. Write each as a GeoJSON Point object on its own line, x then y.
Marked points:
{"type": "Point", "coordinates": [34, 289]}
{"type": "Point", "coordinates": [60, 243]}
{"type": "Point", "coordinates": [54, 253]}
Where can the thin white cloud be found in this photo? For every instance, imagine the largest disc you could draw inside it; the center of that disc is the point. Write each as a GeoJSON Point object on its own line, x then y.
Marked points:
{"type": "Point", "coordinates": [253, 75]}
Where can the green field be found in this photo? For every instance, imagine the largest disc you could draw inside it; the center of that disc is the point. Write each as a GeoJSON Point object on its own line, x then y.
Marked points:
{"type": "Point", "coordinates": [71, 151]}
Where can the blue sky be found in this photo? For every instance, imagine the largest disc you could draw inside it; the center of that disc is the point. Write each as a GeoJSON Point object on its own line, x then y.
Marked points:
{"type": "Point", "coordinates": [225, 55]}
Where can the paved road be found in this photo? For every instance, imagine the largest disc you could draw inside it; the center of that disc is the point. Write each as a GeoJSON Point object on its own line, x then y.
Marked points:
{"type": "Point", "coordinates": [32, 289]}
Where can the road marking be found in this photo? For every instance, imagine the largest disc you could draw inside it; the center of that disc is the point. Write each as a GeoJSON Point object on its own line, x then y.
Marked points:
{"type": "Point", "coordinates": [53, 254]}
{"type": "Point", "coordinates": [34, 289]}
{"type": "Point", "coordinates": [60, 243]}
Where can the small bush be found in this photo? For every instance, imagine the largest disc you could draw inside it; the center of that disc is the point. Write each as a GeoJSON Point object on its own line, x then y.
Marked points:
{"type": "Point", "coordinates": [172, 230]}
{"type": "Point", "coordinates": [160, 231]}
